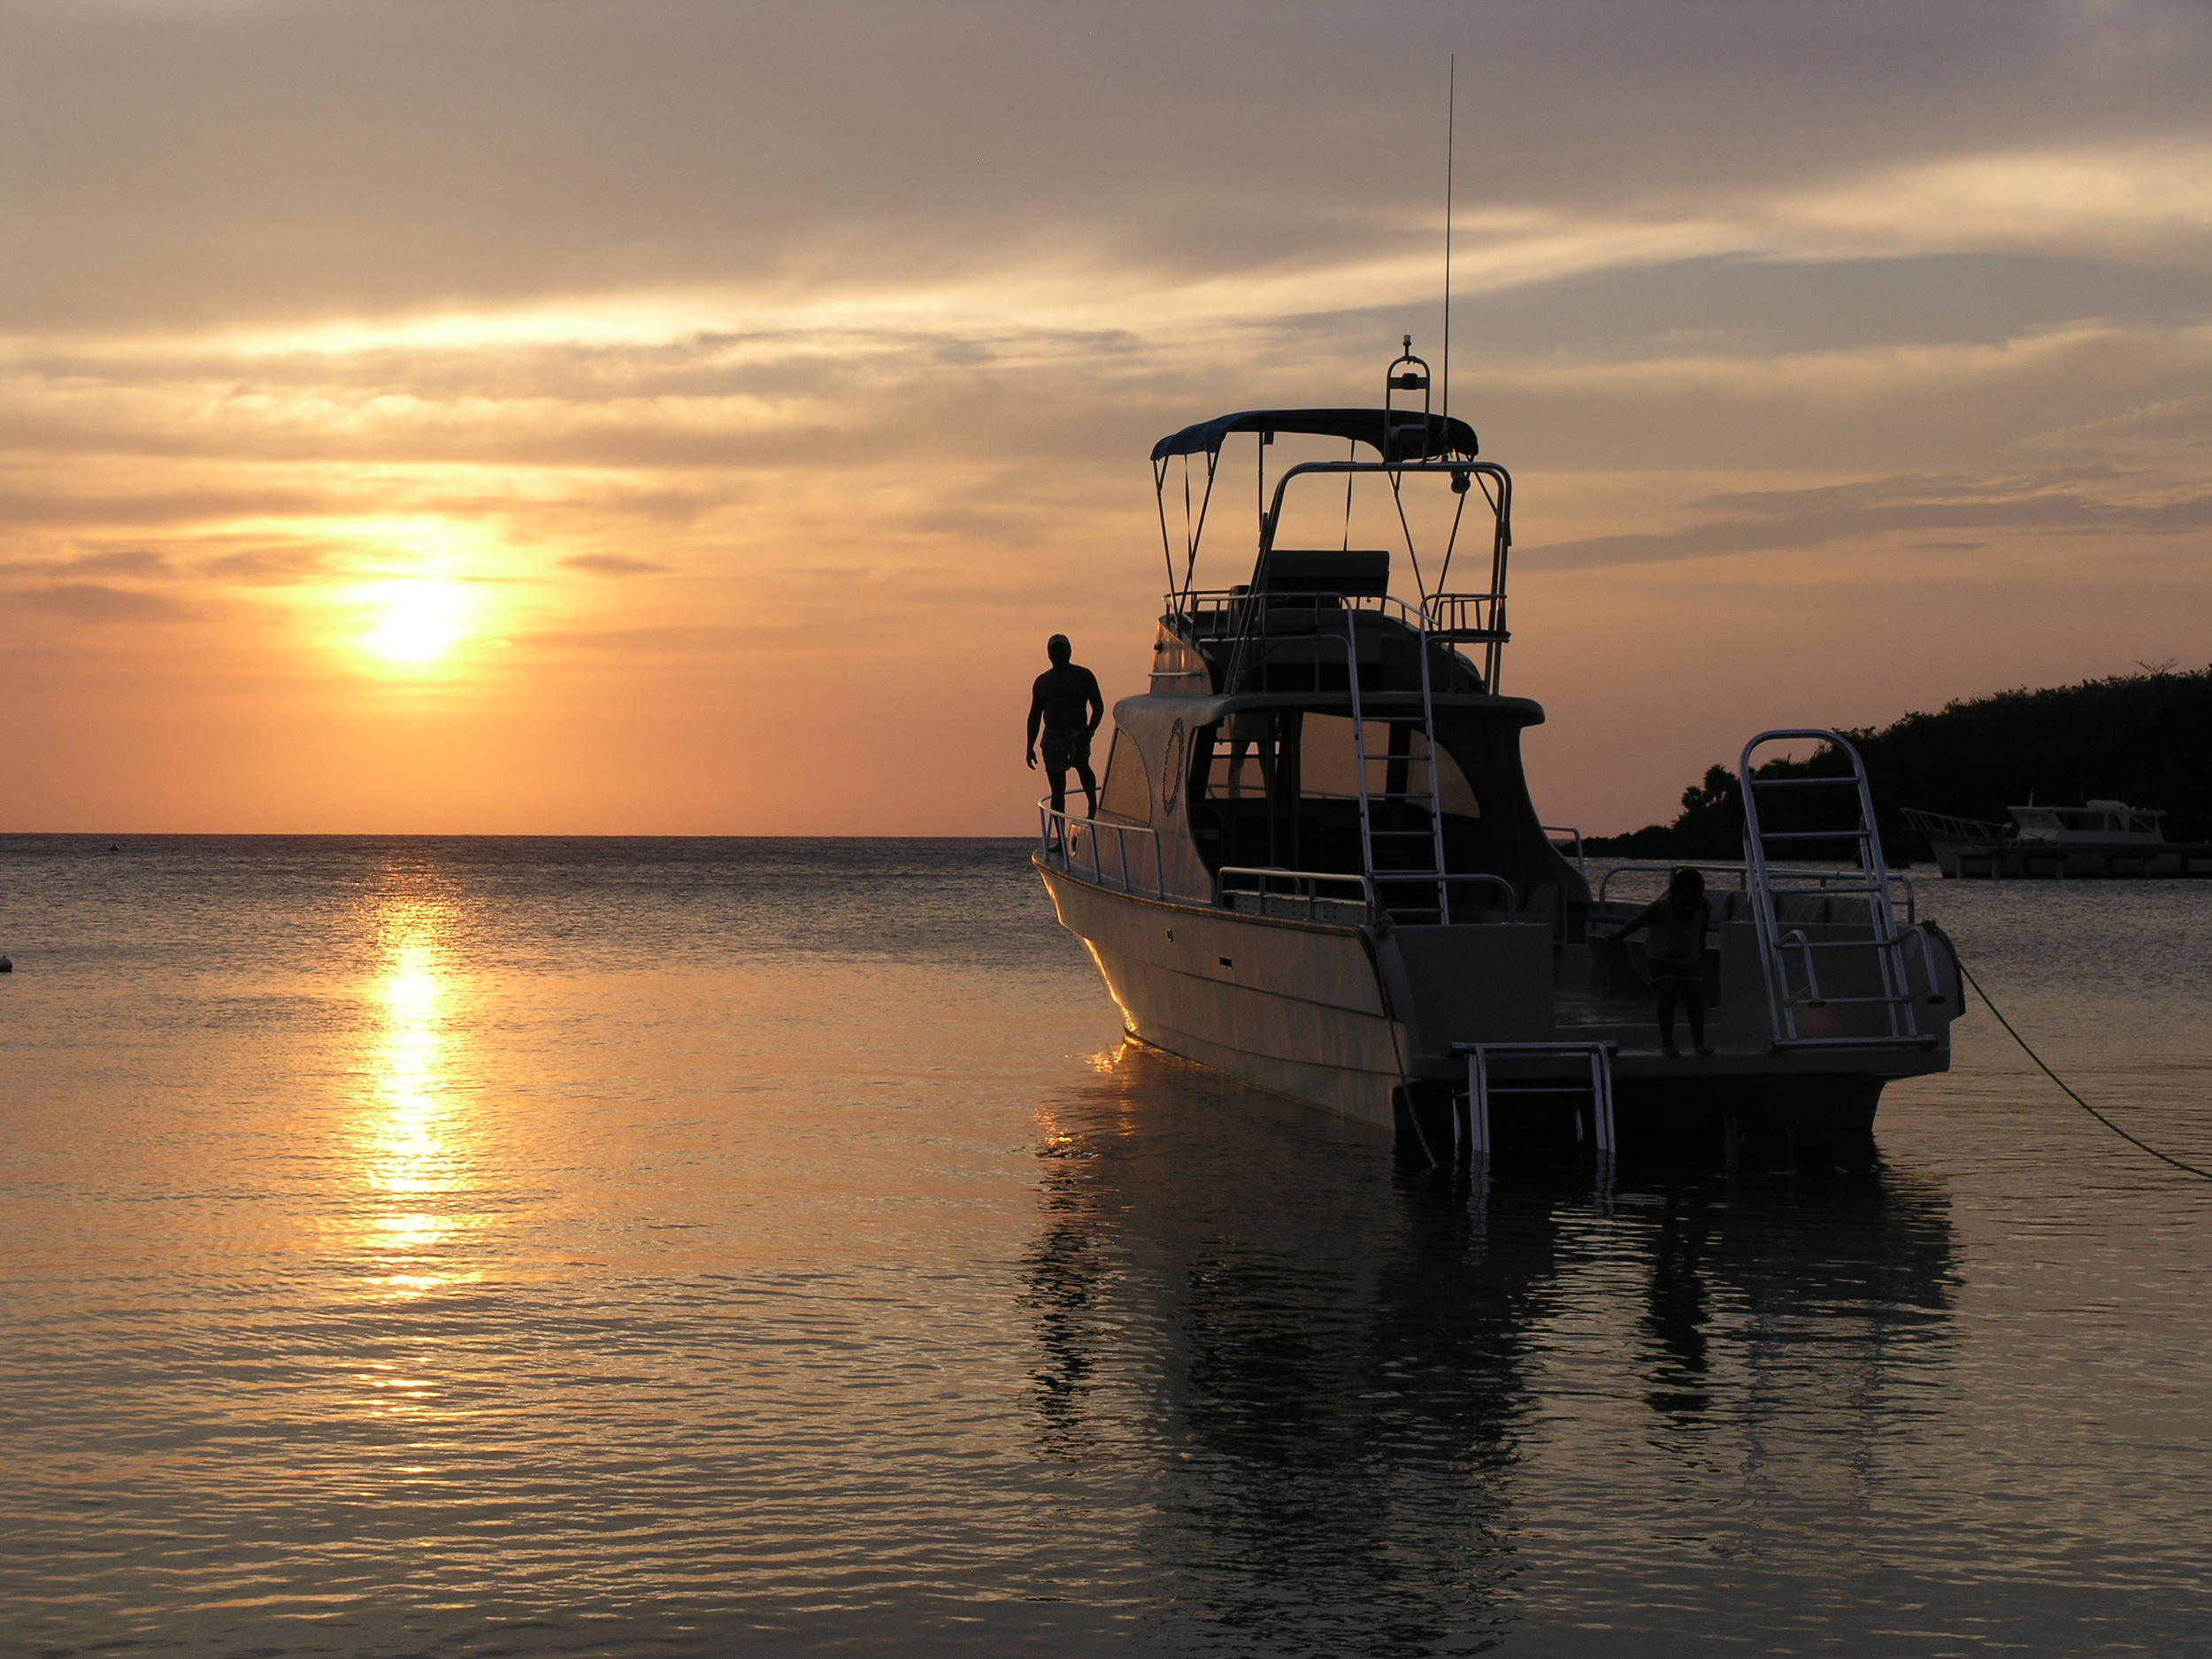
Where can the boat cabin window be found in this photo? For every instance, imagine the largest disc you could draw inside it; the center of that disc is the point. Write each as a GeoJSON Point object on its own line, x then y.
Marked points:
{"type": "Point", "coordinates": [1127, 792]}
{"type": "Point", "coordinates": [1397, 766]}
{"type": "Point", "coordinates": [1281, 788]}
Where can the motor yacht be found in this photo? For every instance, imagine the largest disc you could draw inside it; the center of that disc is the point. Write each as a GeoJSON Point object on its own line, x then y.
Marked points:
{"type": "Point", "coordinates": [1315, 863]}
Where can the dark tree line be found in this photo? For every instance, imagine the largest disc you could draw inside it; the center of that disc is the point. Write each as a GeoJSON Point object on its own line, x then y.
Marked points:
{"type": "Point", "coordinates": [2145, 739]}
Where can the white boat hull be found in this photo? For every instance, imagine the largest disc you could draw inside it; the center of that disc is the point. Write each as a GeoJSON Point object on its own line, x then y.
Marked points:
{"type": "Point", "coordinates": [1345, 1019]}
{"type": "Point", "coordinates": [1289, 1007]}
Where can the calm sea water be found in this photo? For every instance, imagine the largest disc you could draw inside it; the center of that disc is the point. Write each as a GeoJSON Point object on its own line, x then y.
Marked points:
{"type": "Point", "coordinates": [661, 1247]}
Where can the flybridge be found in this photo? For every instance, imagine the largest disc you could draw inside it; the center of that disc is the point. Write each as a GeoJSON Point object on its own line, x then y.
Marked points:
{"type": "Point", "coordinates": [1411, 441]}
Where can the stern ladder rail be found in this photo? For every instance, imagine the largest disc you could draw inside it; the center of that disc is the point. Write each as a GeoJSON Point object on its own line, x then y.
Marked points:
{"type": "Point", "coordinates": [1436, 871]}
{"type": "Point", "coordinates": [1383, 876]}
{"type": "Point", "coordinates": [1597, 1056]}
{"type": "Point", "coordinates": [1885, 943]}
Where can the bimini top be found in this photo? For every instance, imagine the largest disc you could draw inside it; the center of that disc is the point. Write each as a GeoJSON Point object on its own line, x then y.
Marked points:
{"type": "Point", "coordinates": [1445, 436]}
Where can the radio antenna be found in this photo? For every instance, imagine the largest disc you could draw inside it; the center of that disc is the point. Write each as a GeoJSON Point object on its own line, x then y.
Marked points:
{"type": "Point", "coordinates": [1451, 113]}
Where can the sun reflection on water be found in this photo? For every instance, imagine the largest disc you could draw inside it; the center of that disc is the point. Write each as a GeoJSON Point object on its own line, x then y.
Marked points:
{"type": "Point", "coordinates": [413, 1139]}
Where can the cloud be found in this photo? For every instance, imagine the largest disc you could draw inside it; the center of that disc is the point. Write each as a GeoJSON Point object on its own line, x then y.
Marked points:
{"type": "Point", "coordinates": [123, 561]}
{"type": "Point", "coordinates": [612, 565]}
{"type": "Point", "coordinates": [2139, 200]}
{"type": "Point", "coordinates": [1785, 520]}
{"type": "Point", "coordinates": [659, 641]}
{"type": "Point", "coordinates": [94, 602]}
{"type": "Point", "coordinates": [210, 162]}
{"type": "Point", "coordinates": [275, 565]}
{"type": "Point", "coordinates": [851, 324]}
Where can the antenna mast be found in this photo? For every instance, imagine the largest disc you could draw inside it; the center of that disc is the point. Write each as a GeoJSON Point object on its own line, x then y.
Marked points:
{"type": "Point", "coordinates": [1451, 115]}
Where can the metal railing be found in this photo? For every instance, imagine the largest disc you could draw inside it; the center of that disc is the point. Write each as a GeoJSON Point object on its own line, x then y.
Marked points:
{"type": "Point", "coordinates": [1572, 835]}
{"type": "Point", "coordinates": [1509, 897]}
{"type": "Point", "coordinates": [1305, 890]}
{"type": "Point", "coordinates": [1063, 840]}
{"type": "Point", "coordinates": [1312, 899]}
{"type": "Point", "coordinates": [1811, 997]}
{"type": "Point", "coordinates": [1512, 894]}
{"type": "Point", "coordinates": [1965, 829]}
{"type": "Point", "coordinates": [1597, 1056]}
{"type": "Point", "coordinates": [1784, 880]}
{"type": "Point", "coordinates": [1473, 617]}
{"type": "Point", "coordinates": [1228, 609]}
{"type": "Point", "coordinates": [1243, 617]}
{"type": "Point", "coordinates": [1893, 1004]}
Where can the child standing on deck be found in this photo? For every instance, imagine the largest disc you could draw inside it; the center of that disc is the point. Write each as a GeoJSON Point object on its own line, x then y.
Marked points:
{"type": "Point", "coordinates": [1675, 951]}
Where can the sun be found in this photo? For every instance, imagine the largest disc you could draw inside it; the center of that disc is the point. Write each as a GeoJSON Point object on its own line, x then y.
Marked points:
{"type": "Point", "coordinates": [420, 621]}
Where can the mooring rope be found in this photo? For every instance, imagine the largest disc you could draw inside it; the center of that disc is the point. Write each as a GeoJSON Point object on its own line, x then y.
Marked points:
{"type": "Point", "coordinates": [1967, 974]}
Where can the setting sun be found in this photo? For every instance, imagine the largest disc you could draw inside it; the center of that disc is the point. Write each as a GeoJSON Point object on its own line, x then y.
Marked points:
{"type": "Point", "coordinates": [420, 621]}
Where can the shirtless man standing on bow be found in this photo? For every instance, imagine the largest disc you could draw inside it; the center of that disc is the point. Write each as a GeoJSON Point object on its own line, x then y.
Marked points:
{"type": "Point", "coordinates": [1067, 701]}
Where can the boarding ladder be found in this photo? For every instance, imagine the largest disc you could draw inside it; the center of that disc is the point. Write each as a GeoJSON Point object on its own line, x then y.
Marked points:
{"type": "Point", "coordinates": [1791, 998]}
{"type": "Point", "coordinates": [1425, 885]}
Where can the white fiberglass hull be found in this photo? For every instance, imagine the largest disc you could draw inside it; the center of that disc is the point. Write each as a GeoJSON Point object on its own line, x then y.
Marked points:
{"type": "Point", "coordinates": [1290, 1007]}
{"type": "Point", "coordinates": [1342, 1018]}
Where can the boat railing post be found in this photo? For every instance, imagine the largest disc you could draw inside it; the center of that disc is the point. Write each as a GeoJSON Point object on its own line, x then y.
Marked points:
{"type": "Point", "coordinates": [1796, 936]}
{"type": "Point", "coordinates": [1477, 1105]}
{"type": "Point", "coordinates": [1602, 1098]}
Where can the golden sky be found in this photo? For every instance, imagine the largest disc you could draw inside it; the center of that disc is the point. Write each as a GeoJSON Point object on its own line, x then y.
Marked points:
{"type": "Point", "coordinates": [690, 418]}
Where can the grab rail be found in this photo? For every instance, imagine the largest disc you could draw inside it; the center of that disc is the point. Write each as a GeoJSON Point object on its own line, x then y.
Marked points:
{"type": "Point", "coordinates": [1812, 997]}
{"type": "Point", "coordinates": [1884, 942]}
{"type": "Point", "coordinates": [1074, 829]}
{"type": "Point", "coordinates": [1795, 879]}
{"type": "Point", "coordinates": [1740, 871]}
{"type": "Point", "coordinates": [1311, 878]}
{"type": "Point", "coordinates": [1366, 884]}
{"type": "Point", "coordinates": [1555, 831]}
{"type": "Point", "coordinates": [1512, 894]}
{"type": "Point", "coordinates": [1230, 606]}
{"type": "Point", "coordinates": [1963, 828]}
{"type": "Point", "coordinates": [1472, 617]}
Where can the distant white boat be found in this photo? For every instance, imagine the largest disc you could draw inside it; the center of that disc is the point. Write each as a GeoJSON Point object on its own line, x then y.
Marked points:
{"type": "Point", "coordinates": [1316, 864]}
{"type": "Point", "coordinates": [2099, 838]}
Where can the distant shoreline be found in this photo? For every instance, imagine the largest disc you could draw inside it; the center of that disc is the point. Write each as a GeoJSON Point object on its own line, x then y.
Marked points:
{"type": "Point", "coordinates": [2145, 739]}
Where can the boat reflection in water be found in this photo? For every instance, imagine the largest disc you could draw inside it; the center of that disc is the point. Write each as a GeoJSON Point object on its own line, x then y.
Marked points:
{"type": "Point", "coordinates": [412, 1141]}
{"type": "Point", "coordinates": [1360, 1415]}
